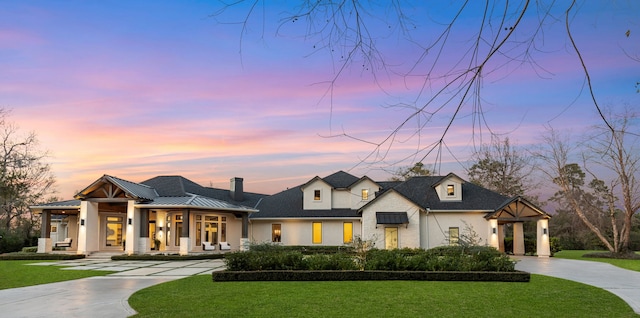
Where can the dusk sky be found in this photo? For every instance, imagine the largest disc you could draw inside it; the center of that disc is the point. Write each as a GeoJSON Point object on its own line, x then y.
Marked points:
{"type": "Point", "coordinates": [137, 89]}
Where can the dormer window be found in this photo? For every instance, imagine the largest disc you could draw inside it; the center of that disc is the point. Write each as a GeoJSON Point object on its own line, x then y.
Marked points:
{"type": "Point", "coordinates": [365, 194]}
{"type": "Point", "coordinates": [451, 190]}
{"type": "Point", "coordinates": [316, 195]}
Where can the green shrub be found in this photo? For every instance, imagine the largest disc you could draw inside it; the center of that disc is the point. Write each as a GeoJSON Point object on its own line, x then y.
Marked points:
{"type": "Point", "coordinates": [390, 260]}
{"type": "Point", "coordinates": [338, 261]}
{"type": "Point", "coordinates": [31, 249]}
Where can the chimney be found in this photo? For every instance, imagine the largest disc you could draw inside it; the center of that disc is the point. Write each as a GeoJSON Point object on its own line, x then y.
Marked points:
{"type": "Point", "coordinates": [236, 189]}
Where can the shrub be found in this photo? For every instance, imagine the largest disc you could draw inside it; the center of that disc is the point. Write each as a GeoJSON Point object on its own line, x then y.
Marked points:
{"type": "Point", "coordinates": [391, 260]}
{"type": "Point", "coordinates": [338, 261]}
{"type": "Point", "coordinates": [31, 249]}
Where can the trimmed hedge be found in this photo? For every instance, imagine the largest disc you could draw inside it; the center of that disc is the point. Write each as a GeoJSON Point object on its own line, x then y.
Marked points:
{"type": "Point", "coordinates": [235, 276]}
{"type": "Point", "coordinates": [39, 257]}
{"type": "Point", "coordinates": [163, 257]}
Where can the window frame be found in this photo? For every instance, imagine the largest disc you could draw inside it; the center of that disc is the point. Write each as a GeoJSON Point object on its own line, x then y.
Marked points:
{"type": "Point", "coordinates": [276, 233]}
{"type": "Point", "coordinates": [451, 190]}
{"type": "Point", "coordinates": [317, 195]}
{"type": "Point", "coordinates": [454, 240]}
{"type": "Point", "coordinates": [346, 239]}
{"type": "Point", "coordinates": [316, 232]}
{"type": "Point", "coordinates": [364, 194]}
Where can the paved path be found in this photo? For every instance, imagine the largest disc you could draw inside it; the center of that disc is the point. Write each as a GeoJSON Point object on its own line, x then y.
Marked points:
{"type": "Point", "coordinates": [102, 296]}
{"type": "Point", "coordinates": [621, 282]}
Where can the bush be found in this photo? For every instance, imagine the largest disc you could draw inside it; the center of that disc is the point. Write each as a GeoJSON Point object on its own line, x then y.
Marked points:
{"type": "Point", "coordinates": [261, 260]}
{"type": "Point", "coordinates": [164, 257]}
{"type": "Point", "coordinates": [338, 261]}
{"type": "Point", "coordinates": [31, 249]}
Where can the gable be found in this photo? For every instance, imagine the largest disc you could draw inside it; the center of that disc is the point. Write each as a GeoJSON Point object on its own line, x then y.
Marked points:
{"type": "Point", "coordinates": [449, 188]}
{"type": "Point", "coordinates": [116, 189]}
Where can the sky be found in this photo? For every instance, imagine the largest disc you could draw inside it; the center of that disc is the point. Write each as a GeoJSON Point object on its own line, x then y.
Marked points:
{"type": "Point", "coordinates": [137, 89]}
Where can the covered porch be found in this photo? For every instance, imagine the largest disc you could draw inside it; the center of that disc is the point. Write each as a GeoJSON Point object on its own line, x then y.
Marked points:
{"type": "Point", "coordinates": [516, 211]}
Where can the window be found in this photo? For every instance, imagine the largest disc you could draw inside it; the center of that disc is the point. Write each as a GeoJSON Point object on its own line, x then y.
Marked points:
{"type": "Point", "coordinates": [365, 194]}
{"type": "Point", "coordinates": [347, 232]}
{"type": "Point", "coordinates": [316, 233]}
{"type": "Point", "coordinates": [454, 235]}
{"type": "Point", "coordinates": [54, 228]}
{"type": "Point", "coordinates": [316, 195]}
{"type": "Point", "coordinates": [276, 233]}
{"type": "Point", "coordinates": [451, 190]}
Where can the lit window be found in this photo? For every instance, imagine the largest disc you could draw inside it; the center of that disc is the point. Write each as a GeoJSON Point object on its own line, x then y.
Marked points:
{"type": "Point", "coordinates": [365, 194]}
{"type": "Point", "coordinates": [276, 233]}
{"type": "Point", "coordinates": [316, 195]}
{"type": "Point", "coordinates": [454, 235]}
{"type": "Point", "coordinates": [316, 233]}
{"type": "Point", "coordinates": [451, 190]}
{"type": "Point", "coordinates": [347, 232]}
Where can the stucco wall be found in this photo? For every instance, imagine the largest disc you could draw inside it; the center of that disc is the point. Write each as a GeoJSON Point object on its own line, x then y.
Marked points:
{"type": "Point", "coordinates": [356, 193]}
{"type": "Point", "coordinates": [340, 199]}
{"type": "Point", "coordinates": [298, 232]}
{"type": "Point", "coordinates": [325, 191]}
{"type": "Point", "coordinates": [438, 223]}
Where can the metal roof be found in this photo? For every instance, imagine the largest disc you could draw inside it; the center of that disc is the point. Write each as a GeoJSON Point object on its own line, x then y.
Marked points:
{"type": "Point", "coordinates": [392, 218]}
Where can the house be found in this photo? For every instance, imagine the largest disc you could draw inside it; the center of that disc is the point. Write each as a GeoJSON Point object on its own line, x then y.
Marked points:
{"type": "Point", "coordinates": [422, 212]}
{"type": "Point", "coordinates": [113, 214]}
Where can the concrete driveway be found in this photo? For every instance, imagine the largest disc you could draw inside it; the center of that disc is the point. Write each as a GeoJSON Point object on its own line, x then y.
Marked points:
{"type": "Point", "coordinates": [621, 282]}
{"type": "Point", "coordinates": [102, 296]}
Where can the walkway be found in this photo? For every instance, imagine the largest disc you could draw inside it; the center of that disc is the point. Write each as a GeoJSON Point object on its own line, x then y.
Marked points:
{"type": "Point", "coordinates": [102, 296]}
{"type": "Point", "coordinates": [621, 282]}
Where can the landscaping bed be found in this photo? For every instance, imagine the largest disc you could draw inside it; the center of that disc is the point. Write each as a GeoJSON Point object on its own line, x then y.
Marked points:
{"type": "Point", "coordinates": [165, 257]}
{"type": "Point", "coordinates": [39, 256]}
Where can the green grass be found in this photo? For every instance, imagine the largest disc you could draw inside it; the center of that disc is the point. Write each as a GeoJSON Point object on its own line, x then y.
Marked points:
{"type": "Point", "coordinates": [18, 274]}
{"type": "Point", "coordinates": [630, 264]}
{"type": "Point", "coordinates": [198, 296]}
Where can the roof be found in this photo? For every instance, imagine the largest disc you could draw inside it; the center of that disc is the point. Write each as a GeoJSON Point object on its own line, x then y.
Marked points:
{"type": "Point", "coordinates": [392, 218]}
{"type": "Point", "coordinates": [165, 192]}
{"type": "Point", "coordinates": [288, 204]}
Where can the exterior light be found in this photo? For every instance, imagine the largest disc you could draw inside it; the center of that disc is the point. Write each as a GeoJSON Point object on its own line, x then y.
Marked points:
{"type": "Point", "coordinates": [495, 230]}
{"type": "Point", "coordinates": [544, 231]}
{"type": "Point", "coordinates": [81, 222]}
{"type": "Point", "coordinates": [130, 221]}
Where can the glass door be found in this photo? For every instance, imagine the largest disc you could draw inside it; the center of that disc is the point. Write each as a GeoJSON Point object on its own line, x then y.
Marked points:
{"type": "Point", "coordinates": [114, 232]}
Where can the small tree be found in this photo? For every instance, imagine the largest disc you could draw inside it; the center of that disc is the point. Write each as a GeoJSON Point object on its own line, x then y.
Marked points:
{"type": "Point", "coordinates": [406, 173]}
{"type": "Point", "coordinates": [361, 248]}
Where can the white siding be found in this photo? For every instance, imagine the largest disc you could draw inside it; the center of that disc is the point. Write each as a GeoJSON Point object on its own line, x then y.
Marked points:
{"type": "Point", "coordinates": [341, 199]}
{"type": "Point", "coordinates": [438, 224]}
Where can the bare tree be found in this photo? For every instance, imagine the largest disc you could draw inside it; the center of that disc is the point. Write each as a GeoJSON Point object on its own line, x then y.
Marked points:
{"type": "Point", "coordinates": [617, 150]}
{"type": "Point", "coordinates": [25, 178]}
{"type": "Point", "coordinates": [507, 35]}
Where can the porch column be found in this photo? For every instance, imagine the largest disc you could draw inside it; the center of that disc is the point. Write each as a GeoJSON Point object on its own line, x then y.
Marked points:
{"type": "Point", "coordinates": [185, 245]}
{"type": "Point", "coordinates": [501, 237]}
{"type": "Point", "coordinates": [518, 239]}
{"type": "Point", "coordinates": [493, 234]}
{"type": "Point", "coordinates": [132, 244]}
{"type": "Point", "coordinates": [144, 243]}
{"type": "Point", "coordinates": [543, 248]}
{"type": "Point", "coordinates": [89, 231]}
{"type": "Point", "coordinates": [244, 240]}
{"type": "Point", "coordinates": [44, 241]}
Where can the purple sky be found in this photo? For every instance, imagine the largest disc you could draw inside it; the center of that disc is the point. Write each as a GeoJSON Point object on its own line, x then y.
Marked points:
{"type": "Point", "coordinates": [137, 89]}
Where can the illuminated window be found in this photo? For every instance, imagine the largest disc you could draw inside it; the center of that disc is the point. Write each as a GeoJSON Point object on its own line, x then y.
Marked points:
{"type": "Point", "coordinates": [276, 233]}
{"type": "Point", "coordinates": [451, 190]}
{"type": "Point", "coordinates": [316, 233]}
{"type": "Point", "coordinates": [316, 195]}
{"type": "Point", "coordinates": [347, 232]}
{"type": "Point", "coordinates": [365, 194]}
{"type": "Point", "coordinates": [454, 235]}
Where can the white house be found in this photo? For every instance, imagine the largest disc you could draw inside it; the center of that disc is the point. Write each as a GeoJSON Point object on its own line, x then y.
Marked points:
{"type": "Point", "coordinates": [115, 215]}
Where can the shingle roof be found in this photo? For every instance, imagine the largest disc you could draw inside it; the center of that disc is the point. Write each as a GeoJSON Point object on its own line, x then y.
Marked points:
{"type": "Point", "coordinates": [340, 179]}
{"type": "Point", "coordinates": [288, 204]}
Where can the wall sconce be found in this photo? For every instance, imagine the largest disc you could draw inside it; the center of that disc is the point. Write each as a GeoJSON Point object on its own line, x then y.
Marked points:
{"type": "Point", "coordinates": [130, 221]}
{"type": "Point", "coordinates": [159, 228]}
{"type": "Point", "coordinates": [495, 230]}
{"type": "Point", "coordinates": [544, 231]}
{"type": "Point", "coordinates": [81, 222]}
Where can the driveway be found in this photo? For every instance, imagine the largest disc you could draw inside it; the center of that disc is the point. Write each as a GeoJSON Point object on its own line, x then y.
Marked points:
{"type": "Point", "coordinates": [621, 282]}
{"type": "Point", "coordinates": [102, 296]}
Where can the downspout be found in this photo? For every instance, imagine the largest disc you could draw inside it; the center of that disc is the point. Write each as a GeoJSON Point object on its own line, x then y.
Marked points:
{"type": "Point", "coordinates": [427, 232]}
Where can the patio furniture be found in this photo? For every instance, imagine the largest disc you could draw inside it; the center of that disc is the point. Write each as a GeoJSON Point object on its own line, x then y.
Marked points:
{"type": "Point", "coordinates": [207, 246]}
{"type": "Point", "coordinates": [225, 246]}
{"type": "Point", "coordinates": [66, 243]}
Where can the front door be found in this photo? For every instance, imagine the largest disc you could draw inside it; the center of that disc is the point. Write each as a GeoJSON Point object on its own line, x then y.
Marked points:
{"type": "Point", "coordinates": [390, 238]}
{"type": "Point", "coordinates": [114, 232]}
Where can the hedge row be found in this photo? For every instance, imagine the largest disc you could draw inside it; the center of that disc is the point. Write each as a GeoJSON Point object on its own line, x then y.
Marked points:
{"type": "Point", "coordinates": [446, 258]}
{"type": "Point", "coordinates": [227, 276]}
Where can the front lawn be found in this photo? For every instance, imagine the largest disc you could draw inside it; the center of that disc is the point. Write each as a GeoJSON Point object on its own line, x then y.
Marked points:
{"type": "Point", "coordinates": [198, 296]}
{"type": "Point", "coordinates": [631, 264]}
{"type": "Point", "coordinates": [18, 274]}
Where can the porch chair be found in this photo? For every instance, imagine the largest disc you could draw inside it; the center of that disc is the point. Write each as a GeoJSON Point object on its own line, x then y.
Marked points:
{"type": "Point", "coordinates": [225, 246]}
{"type": "Point", "coordinates": [66, 243]}
{"type": "Point", "coordinates": [207, 246]}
